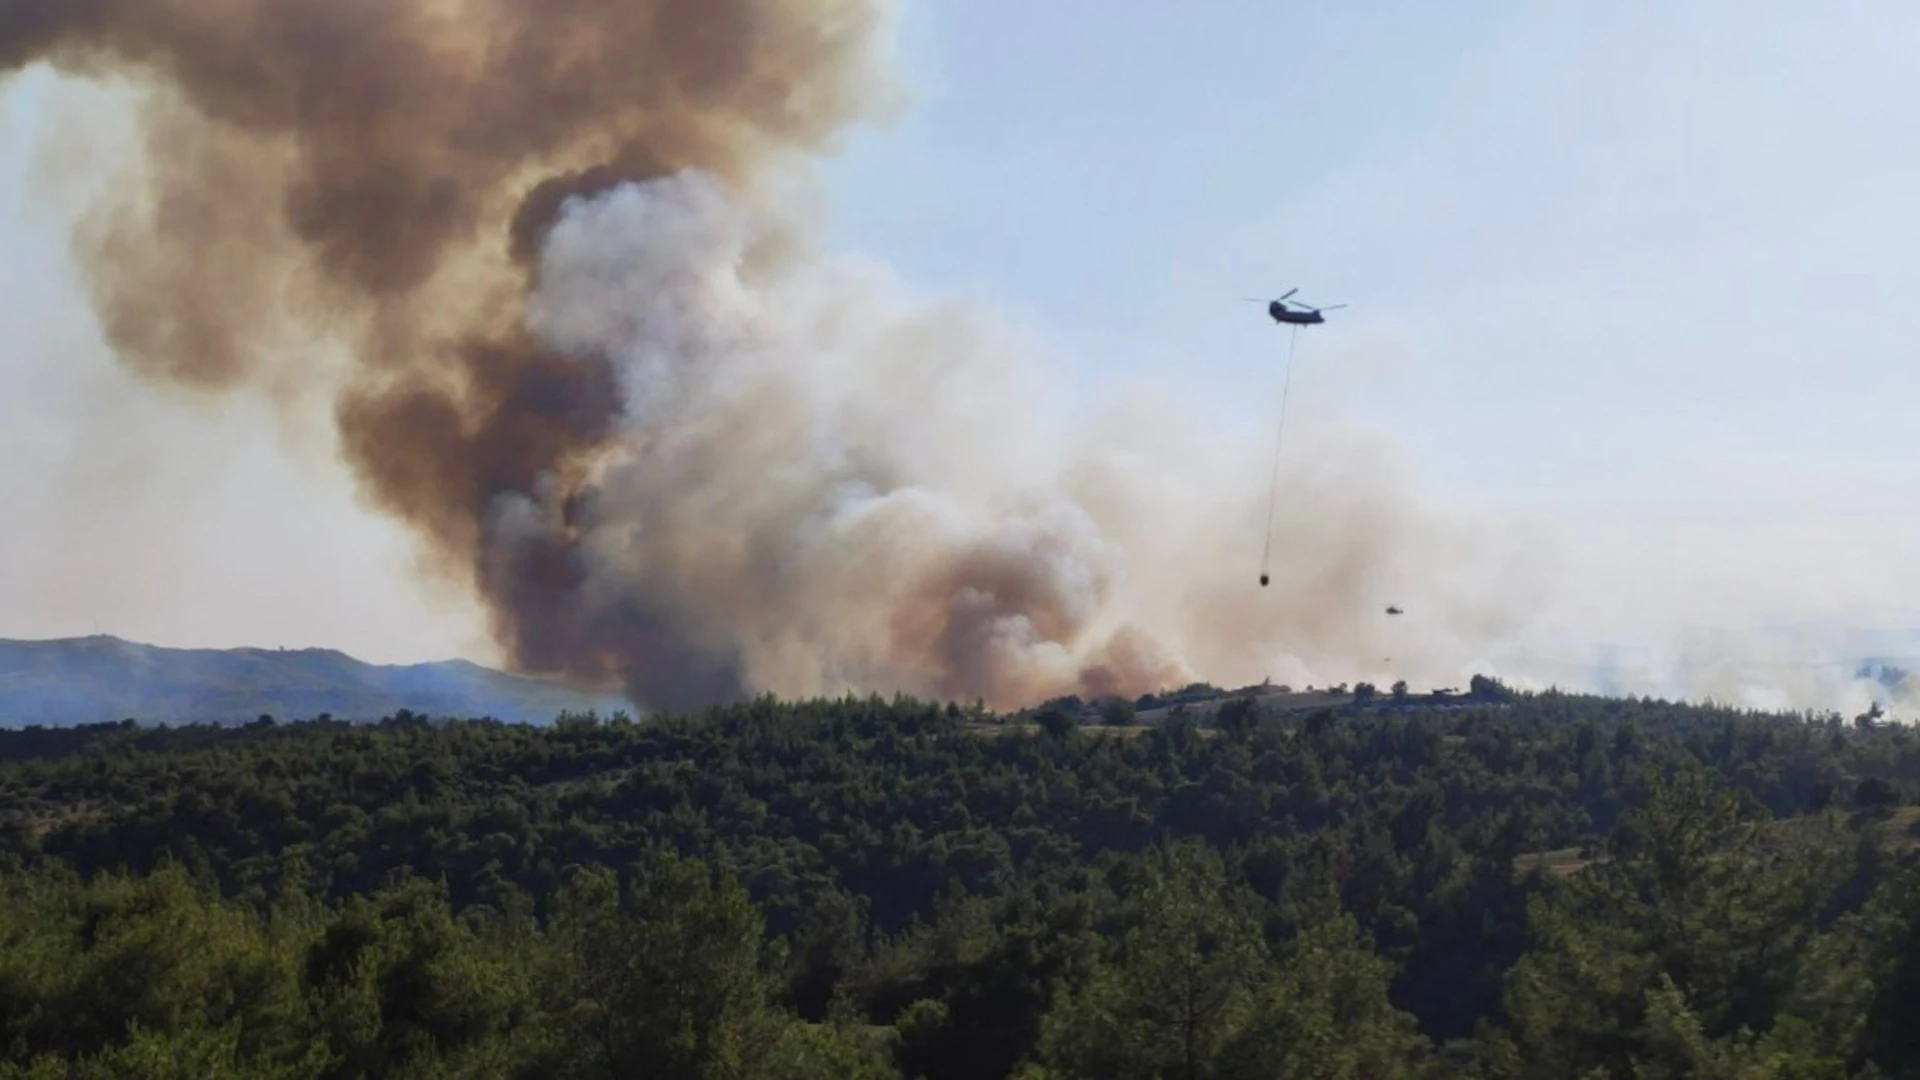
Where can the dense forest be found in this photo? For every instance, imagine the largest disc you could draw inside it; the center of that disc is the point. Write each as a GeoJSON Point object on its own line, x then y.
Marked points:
{"type": "Point", "coordinates": [1500, 885]}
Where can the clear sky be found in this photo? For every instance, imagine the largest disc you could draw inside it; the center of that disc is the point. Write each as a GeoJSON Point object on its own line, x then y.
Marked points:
{"type": "Point", "coordinates": [1642, 275]}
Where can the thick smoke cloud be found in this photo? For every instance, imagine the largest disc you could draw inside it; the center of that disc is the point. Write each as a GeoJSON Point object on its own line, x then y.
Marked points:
{"type": "Point", "coordinates": [817, 483]}
{"type": "Point", "coordinates": [601, 370]}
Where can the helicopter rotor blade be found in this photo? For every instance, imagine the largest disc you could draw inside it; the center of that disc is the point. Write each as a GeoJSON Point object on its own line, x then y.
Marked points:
{"type": "Point", "coordinates": [1335, 307]}
{"type": "Point", "coordinates": [1289, 292]}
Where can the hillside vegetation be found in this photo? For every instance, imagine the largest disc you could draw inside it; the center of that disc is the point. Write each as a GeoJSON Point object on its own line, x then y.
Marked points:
{"type": "Point", "coordinates": [870, 888]}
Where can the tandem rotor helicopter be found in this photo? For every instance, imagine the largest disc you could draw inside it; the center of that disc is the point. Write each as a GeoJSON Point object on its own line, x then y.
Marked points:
{"type": "Point", "coordinates": [1298, 313]}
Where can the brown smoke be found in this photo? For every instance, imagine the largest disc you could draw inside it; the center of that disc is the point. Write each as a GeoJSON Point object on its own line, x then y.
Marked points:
{"type": "Point", "coordinates": [664, 441]}
{"type": "Point", "coordinates": [377, 166]}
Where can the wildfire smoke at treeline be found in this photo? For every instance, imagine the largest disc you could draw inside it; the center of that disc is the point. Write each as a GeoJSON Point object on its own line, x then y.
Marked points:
{"type": "Point", "coordinates": [603, 371]}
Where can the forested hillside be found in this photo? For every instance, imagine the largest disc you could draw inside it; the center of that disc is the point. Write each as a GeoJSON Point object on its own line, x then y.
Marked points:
{"type": "Point", "coordinates": [894, 888]}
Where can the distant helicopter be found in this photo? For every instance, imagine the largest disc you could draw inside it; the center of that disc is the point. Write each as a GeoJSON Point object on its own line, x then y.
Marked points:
{"type": "Point", "coordinates": [1391, 610]}
{"type": "Point", "coordinates": [1282, 312]}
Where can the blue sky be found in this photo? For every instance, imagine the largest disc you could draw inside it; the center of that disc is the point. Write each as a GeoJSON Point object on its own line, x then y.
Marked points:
{"type": "Point", "coordinates": [1641, 275]}
{"type": "Point", "coordinates": [1694, 219]}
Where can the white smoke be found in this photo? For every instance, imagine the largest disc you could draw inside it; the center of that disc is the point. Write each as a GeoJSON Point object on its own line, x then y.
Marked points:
{"type": "Point", "coordinates": [826, 486]}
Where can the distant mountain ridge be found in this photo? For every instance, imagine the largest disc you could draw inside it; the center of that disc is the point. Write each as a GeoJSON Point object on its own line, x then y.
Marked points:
{"type": "Point", "coordinates": [102, 679]}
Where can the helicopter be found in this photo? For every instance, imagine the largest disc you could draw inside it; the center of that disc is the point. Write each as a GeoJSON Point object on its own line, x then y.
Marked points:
{"type": "Point", "coordinates": [1394, 611]}
{"type": "Point", "coordinates": [1298, 313]}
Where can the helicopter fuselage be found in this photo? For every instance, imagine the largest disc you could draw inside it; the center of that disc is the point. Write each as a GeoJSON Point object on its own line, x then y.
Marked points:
{"type": "Point", "coordinates": [1285, 314]}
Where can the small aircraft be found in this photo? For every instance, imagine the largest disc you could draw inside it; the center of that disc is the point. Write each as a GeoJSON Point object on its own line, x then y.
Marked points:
{"type": "Point", "coordinates": [1282, 312]}
{"type": "Point", "coordinates": [1394, 611]}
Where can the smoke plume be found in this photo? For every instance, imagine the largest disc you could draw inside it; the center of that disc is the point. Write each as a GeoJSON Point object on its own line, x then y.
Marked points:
{"type": "Point", "coordinates": [602, 370]}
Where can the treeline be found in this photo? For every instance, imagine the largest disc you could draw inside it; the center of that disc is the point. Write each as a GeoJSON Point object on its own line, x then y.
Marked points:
{"type": "Point", "coordinates": [897, 888]}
